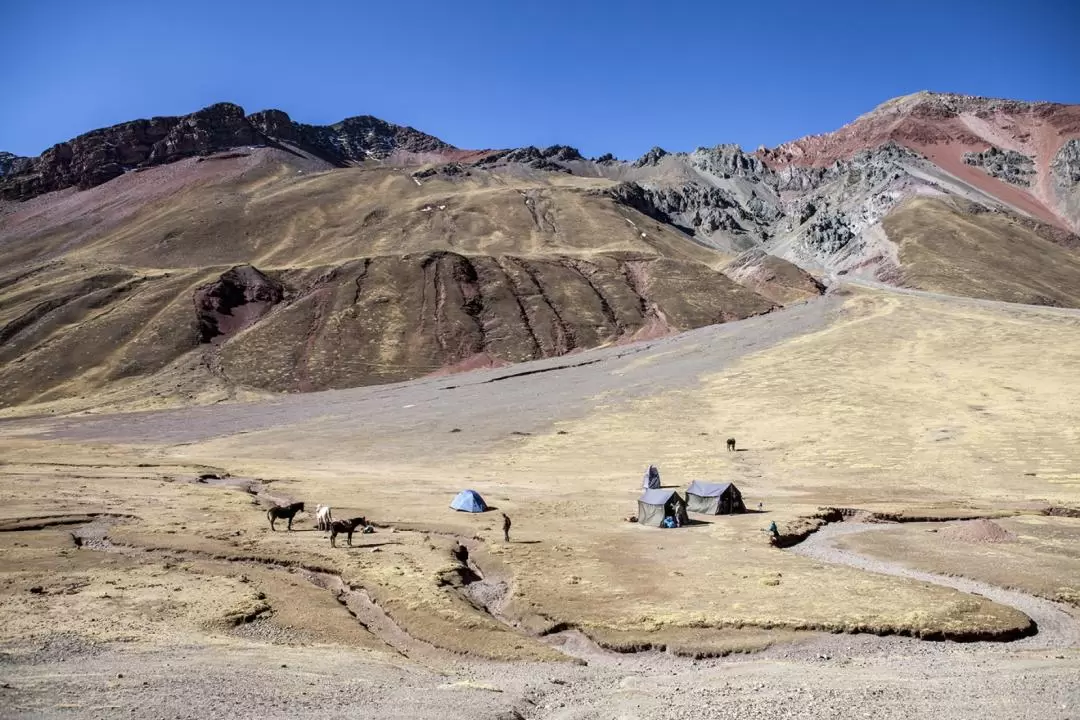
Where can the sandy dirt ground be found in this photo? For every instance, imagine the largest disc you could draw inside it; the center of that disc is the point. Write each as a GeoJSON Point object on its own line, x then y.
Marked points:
{"type": "Point", "coordinates": [901, 405]}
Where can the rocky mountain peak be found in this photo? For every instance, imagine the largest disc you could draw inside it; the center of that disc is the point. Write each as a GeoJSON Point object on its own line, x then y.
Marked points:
{"type": "Point", "coordinates": [938, 105]}
{"type": "Point", "coordinates": [652, 157]}
{"type": "Point", "coordinates": [728, 161]}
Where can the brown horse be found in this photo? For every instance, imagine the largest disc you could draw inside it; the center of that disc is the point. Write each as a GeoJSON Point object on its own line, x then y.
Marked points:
{"type": "Point", "coordinates": [731, 444]}
{"type": "Point", "coordinates": [287, 512]}
{"type": "Point", "coordinates": [345, 526]}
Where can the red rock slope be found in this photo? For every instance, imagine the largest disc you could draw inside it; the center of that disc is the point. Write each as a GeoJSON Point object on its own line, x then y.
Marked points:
{"type": "Point", "coordinates": [944, 127]}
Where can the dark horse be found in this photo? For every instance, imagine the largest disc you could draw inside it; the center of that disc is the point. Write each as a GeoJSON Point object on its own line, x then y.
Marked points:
{"type": "Point", "coordinates": [286, 512]}
{"type": "Point", "coordinates": [730, 444]}
{"type": "Point", "coordinates": [345, 526]}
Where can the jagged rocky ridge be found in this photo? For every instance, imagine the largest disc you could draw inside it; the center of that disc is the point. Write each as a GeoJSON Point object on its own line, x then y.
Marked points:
{"type": "Point", "coordinates": [101, 155]}
{"type": "Point", "coordinates": [819, 212]}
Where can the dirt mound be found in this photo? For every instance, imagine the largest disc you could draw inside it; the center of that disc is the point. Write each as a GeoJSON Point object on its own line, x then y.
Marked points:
{"type": "Point", "coordinates": [977, 531]}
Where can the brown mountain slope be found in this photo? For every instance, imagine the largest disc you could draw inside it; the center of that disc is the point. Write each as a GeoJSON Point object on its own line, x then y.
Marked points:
{"type": "Point", "coordinates": [949, 248]}
{"type": "Point", "coordinates": [262, 271]}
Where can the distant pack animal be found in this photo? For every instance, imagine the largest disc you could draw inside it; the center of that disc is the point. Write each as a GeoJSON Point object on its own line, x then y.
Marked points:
{"type": "Point", "coordinates": [284, 512]}
{"type": "Point", "coordinates": [345, 526]}
{"type": "Point", "coordinates": [323, 517]}
{"type": "Point", "coordinates": [731, 444]}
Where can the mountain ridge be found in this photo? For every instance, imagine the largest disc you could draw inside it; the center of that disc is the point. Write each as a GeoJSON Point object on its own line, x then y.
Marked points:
{"type": "Point", "coordinates": [219, 254]}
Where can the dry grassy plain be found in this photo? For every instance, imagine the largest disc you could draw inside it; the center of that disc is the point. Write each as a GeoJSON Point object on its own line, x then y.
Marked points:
{"type": "Point", "coordinates": [899, 403]}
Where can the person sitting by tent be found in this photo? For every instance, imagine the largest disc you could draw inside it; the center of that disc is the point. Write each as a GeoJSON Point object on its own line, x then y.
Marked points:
{"type": "Point", "coordinates": [651, 481]}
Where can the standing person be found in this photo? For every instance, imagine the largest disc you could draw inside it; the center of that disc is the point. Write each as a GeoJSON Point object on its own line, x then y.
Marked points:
{"type": "Point", "coordinates": [506, 527]}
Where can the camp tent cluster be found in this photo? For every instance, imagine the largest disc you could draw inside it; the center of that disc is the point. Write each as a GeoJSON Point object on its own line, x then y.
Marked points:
{"type": "Point", "coordinates": [656, 503]}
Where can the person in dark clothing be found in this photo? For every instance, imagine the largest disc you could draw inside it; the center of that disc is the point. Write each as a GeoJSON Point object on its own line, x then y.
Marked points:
{"type": "Point", "coordinates": [506, 527]}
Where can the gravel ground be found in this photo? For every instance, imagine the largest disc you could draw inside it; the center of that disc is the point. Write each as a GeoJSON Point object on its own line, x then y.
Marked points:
{"type": "Point", "coordinates": [818, 680]}
{"type": "Point", "coordinates": [832, 676]}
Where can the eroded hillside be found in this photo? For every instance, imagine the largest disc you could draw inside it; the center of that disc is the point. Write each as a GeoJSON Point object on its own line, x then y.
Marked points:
{"type": "Point", "coordinates": [259, 272]}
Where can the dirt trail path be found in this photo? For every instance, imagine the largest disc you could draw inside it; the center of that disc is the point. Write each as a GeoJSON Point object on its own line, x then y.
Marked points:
{"type": "Point", "coordinates": [1057, 628]}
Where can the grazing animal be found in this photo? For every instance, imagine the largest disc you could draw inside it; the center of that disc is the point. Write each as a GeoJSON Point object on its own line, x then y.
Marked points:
{"type": "Point", "coordinates": [323, 517]}
{"type": "Point", "coordinates": [287, 512]}
{"type": "Point", "coordinates": [345, 526]}
{"type": "Point", "coordinates": [731, 444]}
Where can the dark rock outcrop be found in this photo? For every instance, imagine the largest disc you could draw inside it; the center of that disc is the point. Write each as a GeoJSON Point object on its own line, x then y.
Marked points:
{"type": "Point", "coordinates": [449, 170]}
{"type": "Point", "coordinates": [549, 158]}
{"type": "Point", "coordinates": [830, 233]}
{"type": "Point", "coordinates": [728, 161]}
{"type": "Point", "coordinates": [1066, 164]}
{"type": "Point", "coordinates": [101, 155]}
{"type": "Point", "coordinates": [1065, 180]}
{"type": "Point", "coordinates": [10, 163]}
{"type": "Point", "coordinates": [692, 207]}
{"type": "Point", "coordinates": [652, 157]}
{"type": "Point", "coordinates": [1007, 165]}
{"type": "Point", "coordinates": [239, 298]}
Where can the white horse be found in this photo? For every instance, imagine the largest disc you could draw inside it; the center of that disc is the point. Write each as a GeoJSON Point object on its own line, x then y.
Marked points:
{"type": "Point", "coordinates": [323, 518]}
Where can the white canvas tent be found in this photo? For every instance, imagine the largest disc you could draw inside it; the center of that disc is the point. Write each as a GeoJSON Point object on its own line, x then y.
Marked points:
{"type": "Point", "coordinates": [714, 498]}
{"type": "Point", "coordinates": [655, 505]}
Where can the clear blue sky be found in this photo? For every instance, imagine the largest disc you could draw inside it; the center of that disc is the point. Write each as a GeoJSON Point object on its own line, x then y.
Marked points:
{"type": "Point", "coordinates": [602, 75]}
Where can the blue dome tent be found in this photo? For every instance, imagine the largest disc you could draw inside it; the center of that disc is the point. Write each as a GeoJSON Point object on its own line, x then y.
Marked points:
{"type": "Point", "coordinates": [469, 501]}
